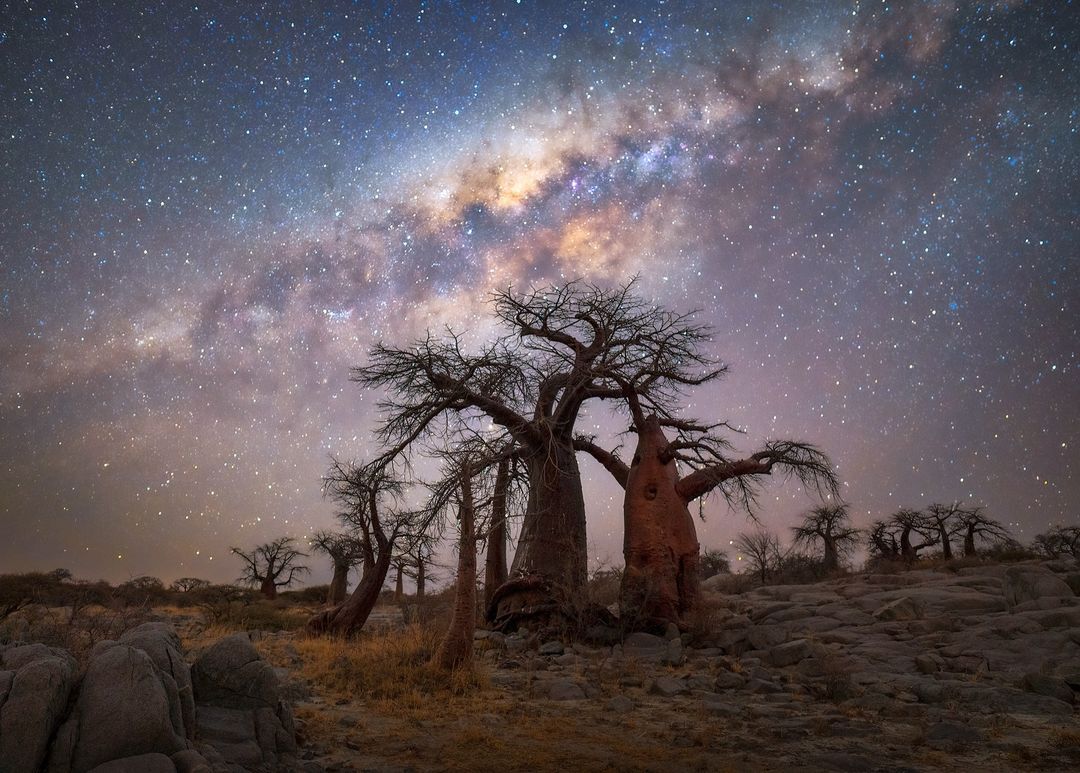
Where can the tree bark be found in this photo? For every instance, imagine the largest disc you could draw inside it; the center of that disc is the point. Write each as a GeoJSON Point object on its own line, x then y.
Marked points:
{"type": "Point", "coordinates": [495, 572]}
{"type": "Point", "coordinates": [267, 587]}
{"type": "Point", "coordinates": [399, 586]}
{"type": "Point", "coordinates": [420, 577]}
{"type": "Point", "coordinates": [339, 584]}
{"type": "Point", "coordinates": [969, 542]}
{"type": "Point", "coordinates": [946, 547]}
{"type": "Point", "coordinates": [549, 569]}
{"type": "Point", "coordinates": [349, 616]}
{"type": "Point", "coordinates": [456, 648]}
{"type": "Point", "coordinates": [830, 562]}
{"type": "Point", "coordinates": [660, 582]}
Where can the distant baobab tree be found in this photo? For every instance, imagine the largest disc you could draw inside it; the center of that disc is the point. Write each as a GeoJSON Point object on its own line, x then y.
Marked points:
{"type": "Point", "coordinates": [762, 550]}
{"type": "Point", "coordinates": [1058, 541]}
{"type": "Point", "coordinates": [188, 584]}
{"type": "Point", "coordinates": [973, 524]}
{"type": "Point", "coordinates": [830, 526]}
{"type": "Point", "coordinates": [272, 565]}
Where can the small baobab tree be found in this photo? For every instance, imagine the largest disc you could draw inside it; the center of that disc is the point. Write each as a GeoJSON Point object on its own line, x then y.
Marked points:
{"type": "Point", "coordinates": [363, 491]}
{"type": "Point", "coordinates": [345, 551]}
{"type": "Point", "coordinates": [881, 539]}
{"type": "Point", "coordinates": [1058, 541]}
{"type": "Point", "coordinates": [942, 521]}
{"type": "Point", "coordinates": [830, 527]}
{"type": "Point", "coordinates": [762, 551]}
{"type": "Point", "coordinates": [906, 525]}
{"type": "Point", "coordinates": [272, 565]}
{"type": "Point", "coordinates": [974, 525]}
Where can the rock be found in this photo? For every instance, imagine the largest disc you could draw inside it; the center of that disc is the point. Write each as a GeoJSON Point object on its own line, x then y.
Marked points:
{"type": "Point", "coordinates": [551, 648]}
{"type": "Point", "coordinates": [721, 705]}
{"type": "Point", "coordinates": [620, 704]}
{"type": "Point", "coordinates": [38, 682]}
{"type": "Point", "coordinates": [903, 608]}
{"type": "Point", "coordinates": [668, 686]}
{"type": "Point", "coordinates": [160, 642]}
{"type": "Point", "coordinates": [191, 761]}
{"type": "Point", "coordinates": [565, 690]}
{"type": "Point", "coordinates": [953, 732]}
{"type": "Point", "coordinates": [764, 637]}
{"type": "Point", "coordinates": [790, 653]}
{"type": "Point", "coordinates": [928, 663]}
{"type": "Point", "coordinates": [232, 674]}
{"type": "Point", "coordinates": [141, 763]}
{"type": "Point", "coordinates": [729, 680]}
{"type": "Point", "coordinates": [127, 706]}
{"type": "Point", "coordinates": [1032, 583]}
{"type": "Point", "coordinates": [569, 659]}
{"type": "Point", "coordinates": [1051, 686]}
{"type": "Point", "coordinates": [232, 732]}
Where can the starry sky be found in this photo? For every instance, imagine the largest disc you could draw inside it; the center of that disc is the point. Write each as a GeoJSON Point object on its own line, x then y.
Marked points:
{"type": "Point", "coordinates": [210, 211]}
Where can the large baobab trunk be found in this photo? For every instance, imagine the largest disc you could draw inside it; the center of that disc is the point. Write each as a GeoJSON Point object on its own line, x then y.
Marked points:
{"type": "Point", "coordinates": [946, 546]}
{"type": "Point", "coordinates": [660, 545]}
{"type": "Point", "coordinates": [495, 563]}
{"type": "Point", "coordinates": [455, 650]}
{"type": "Point", "coordinates": [969, 543]}
{"type": "Point", "coordinates": [549, 568]}
{"type": "Point", "coordinates": [420, 577]}
{"type": "Point", "coordinates": [350, 615]}
{"type": "Point", "coordinates": [830, 561]}
{"type": "Point", "coordinates": [267, 587]}
{"type": "Point", "coordinates": [339, 584]}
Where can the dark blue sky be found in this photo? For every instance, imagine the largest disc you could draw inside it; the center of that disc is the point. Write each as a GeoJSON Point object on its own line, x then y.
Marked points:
{"type": "Point", "coordinates": [209, 213]}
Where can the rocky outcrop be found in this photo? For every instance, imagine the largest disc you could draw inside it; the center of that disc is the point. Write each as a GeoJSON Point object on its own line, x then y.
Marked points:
{"type": "Point", "coordinates": [139, 708]}
{"type": "Point", "coordinates": [35, 683]}
{"type": "Point", "coordinates": [240, 710]}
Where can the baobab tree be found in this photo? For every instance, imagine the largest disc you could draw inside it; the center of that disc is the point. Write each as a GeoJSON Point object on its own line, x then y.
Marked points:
{"type": "Point", "coordinates": [661, 578]}
{"type": "Point", "coordinates": [881, 538]}
{"type": "Point", "coordinates": [345, 551]}
{"type": "Point", "coordinates": [942, 521]}
{"type": "Point", "coordinates": [829, 525]}
{"type": "Point", "coordinates": [905, 524]}
{"type": "Point", "coordinates": [975, 525]}
{"type": "Point", "coordinates": [272, 565]}
{"type": "Point", "coordinates": [762, 550]}
{"type": "Point", "coordinates": [562, 347]}
{"type": "Point", "coordinates": [1058, 541]}
{"type": "Point", "coordinates": [363, 490]}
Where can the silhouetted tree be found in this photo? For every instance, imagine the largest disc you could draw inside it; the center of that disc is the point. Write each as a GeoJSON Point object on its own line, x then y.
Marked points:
{"type": "Point", "coordinates": [974, 525]}
{"type": "Point", "coordinates": [1058, 541]}
{"type": "Point", "coordinates": [188, 584]}
{"type": "Point", "coordinates": [714, 562]}
{"type": "Point", "coordinates": [563, 347]}
{"type": "Point", "coordinates": [829, 525]}
{"type": "Point", "coordinates": [762, 550]}
{"type": "Point", "coordinates": [906, 523]}
{"type": "Point", "coordinates": [363, 491]}
{"type": "Point", "coordinates": [943, 521]}
{"type": "Point", "coordinates": [272, 565]}
{"type": "Point", "coordinates": [345, 552]}
{"type": "Point", "coordinates": [456, 647]}
{"type": "Point", "coordinates": [882, 541]}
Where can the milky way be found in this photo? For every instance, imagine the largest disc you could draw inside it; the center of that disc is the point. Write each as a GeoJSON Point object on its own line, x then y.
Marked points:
{"type": "Point", "coordinates": [209, 214]}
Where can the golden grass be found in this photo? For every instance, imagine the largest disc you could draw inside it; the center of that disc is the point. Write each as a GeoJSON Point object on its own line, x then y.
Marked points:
{"type": "Point", "coordinates": [387, 666]}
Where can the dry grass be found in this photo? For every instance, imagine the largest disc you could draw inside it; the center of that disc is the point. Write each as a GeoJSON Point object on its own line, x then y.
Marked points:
{"type": "Point", "coordinates": [1065, 737]}
{"type": "Point", "coordinates": [389, 666]}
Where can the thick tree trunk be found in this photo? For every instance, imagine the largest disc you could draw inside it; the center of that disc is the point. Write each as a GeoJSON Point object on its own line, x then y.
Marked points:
{"type": "Point", "coordinates": [946, 547]}
{"type": "Point", "coordinates": [831, 561]}
{"type": "Point", "coordinates": [267, 588]}
{"type": "Point", "coordinates": [420, 578]}
{"type": "Point", "coordinates": [660, 582]}
{"type": "Point", "coordinates": [349, 616]}
{"type": "Point", "coordinates": [456, 648]}
{"type": "Point", "coordinates": [495, 563]}
{"type": "Point", "coordinates": [969, 543]}
{"type": "Point", "coordinates": [339, 584]}
{"type": "Point", "coordinates": [549, 569]}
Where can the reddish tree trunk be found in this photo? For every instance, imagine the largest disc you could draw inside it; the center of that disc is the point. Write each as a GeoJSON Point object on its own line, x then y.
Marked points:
{"type": "Point", "coordinates": [267, 588]}
{"type": "Point", "coordinates": [660, 582]}
{"type": "Point", "coordinates": [349, 616]}
{"type": "Point", "coordinates": [495, 573]}
{"type": "Point", "coordinates": [549, 568]}
{"type": "Point", "coordinates": [456, 648]}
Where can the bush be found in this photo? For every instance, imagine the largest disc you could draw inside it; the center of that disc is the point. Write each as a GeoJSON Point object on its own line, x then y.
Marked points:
{"type": "Point", "coordinates": [312, 595]}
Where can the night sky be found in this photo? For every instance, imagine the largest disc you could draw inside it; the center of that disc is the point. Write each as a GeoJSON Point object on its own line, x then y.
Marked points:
{"type": "Point", "coordinates": [208, 213]}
